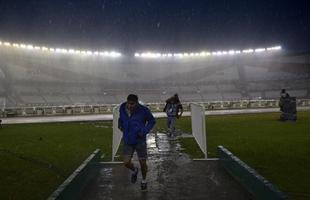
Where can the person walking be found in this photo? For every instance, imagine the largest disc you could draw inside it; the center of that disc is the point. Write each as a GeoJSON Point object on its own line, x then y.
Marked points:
{"type": "Point", "coordinates": [135, 121]}
{"type": "Point", "coordinates": [174, 110]}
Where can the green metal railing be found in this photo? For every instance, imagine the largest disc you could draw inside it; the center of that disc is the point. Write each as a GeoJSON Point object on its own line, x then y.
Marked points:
{"type": "Point", "coordinates": [72, 187]}
{"type": "Point", "coordinates": [257, 185]}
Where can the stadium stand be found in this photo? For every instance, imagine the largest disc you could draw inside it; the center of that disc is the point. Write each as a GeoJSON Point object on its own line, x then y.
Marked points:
{"type": "Point", "coordinates": [29, 78]}
{"type": "Point", "coordinates": [272, 94]}
{"type": "Point", "coordinates": [212, 96]}
{"type": "Point", "coordinates": [57, 99]}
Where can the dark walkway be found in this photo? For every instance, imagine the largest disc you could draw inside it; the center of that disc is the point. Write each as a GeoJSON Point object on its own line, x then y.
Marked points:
{"type": "Point", "coordinates": [171, 175]}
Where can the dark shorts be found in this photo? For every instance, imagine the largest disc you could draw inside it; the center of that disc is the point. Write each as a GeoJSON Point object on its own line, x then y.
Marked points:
{"type": "Point", "coordinates": [128, 150]}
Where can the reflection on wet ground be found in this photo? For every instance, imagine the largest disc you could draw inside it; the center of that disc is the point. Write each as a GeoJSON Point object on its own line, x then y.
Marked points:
{"type": "Point", "coordinates": [171, 175]}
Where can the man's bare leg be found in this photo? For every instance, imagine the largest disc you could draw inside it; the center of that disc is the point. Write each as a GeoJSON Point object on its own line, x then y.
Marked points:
{"type": "Point", "coordinates": [144, 172]}
{"type": "Point", "coordinates": [143, 168]}
{"type": "Point", "coordinates": [134, 170]}
{"type": "Point", "coordinates": [127, 162]}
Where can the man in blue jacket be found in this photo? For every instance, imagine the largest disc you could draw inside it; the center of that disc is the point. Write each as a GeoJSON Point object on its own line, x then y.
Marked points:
{"type": "Point", "coordinates": [135, 121]}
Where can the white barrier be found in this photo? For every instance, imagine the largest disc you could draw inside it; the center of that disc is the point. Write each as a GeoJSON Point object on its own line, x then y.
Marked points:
{"type": "Point", "coordinates": [199, 127]}
{"type": "Point", "coordinates": [117, 134]}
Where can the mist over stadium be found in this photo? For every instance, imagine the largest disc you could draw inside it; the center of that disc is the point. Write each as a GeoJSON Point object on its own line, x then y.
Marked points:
{"type": "Point", "coordinates": [42, 76]}
{"type": "Point", "coordinates": [97, 52]}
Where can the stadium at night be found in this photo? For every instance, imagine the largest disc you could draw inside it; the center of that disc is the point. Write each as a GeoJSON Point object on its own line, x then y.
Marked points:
{"type": "Point", "coordinates": [44, 76]}
{"type": "Point", "coordinates": [191, 100]}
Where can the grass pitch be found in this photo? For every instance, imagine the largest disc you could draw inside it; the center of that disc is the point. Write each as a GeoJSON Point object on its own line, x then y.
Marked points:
{"type": "Point", "coordinates": [36, 158]}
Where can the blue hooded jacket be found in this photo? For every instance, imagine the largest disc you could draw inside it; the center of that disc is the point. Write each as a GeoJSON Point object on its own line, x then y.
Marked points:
{"type": "Point", "coordinates": [136, 126]}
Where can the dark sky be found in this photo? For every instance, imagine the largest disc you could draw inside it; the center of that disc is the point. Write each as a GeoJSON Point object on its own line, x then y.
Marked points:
{"type": "Point", "coordinates": [163, 25]}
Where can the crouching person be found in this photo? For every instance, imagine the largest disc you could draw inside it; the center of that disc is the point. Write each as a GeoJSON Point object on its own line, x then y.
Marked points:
{"type": "Point", "coordinates": [287, 106]}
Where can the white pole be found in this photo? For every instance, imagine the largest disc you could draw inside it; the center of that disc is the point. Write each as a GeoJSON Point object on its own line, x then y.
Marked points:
{"type": "Point", "coordinates": [117, 134]}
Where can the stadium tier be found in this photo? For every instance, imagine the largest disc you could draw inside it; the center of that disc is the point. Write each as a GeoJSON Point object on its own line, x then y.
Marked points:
{"type": "Point", "coordinates": [39, 78]}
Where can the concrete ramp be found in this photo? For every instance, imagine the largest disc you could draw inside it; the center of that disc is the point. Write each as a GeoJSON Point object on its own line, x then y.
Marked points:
{"type": "Point", "coordinates": [171, 175]}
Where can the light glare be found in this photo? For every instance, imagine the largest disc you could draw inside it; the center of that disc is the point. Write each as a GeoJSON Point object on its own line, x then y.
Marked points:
{"type": "Point", "coordinates": [112, 54]}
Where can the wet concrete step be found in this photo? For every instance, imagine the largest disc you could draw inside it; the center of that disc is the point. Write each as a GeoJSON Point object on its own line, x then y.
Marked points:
{"type": "Point", "coordinates": [171, 175]}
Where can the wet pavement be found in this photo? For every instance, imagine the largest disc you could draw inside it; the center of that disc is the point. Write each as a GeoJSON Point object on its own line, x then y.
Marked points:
{"type": "Point", "coordinates": [171, 175]}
